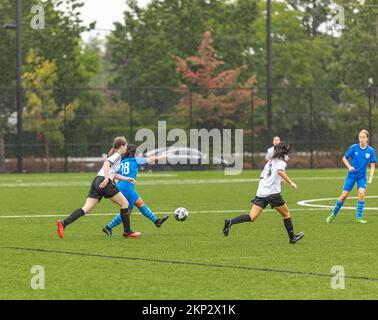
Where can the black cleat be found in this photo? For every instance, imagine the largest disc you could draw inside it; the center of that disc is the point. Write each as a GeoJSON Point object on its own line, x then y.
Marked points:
{"type": "Point", "coordinates": [160, 221]}
{"type": "Point", "coordinates": [297, 237]}
{"type": "Point", "coordinates": [108, 231]}
{"type": "Point", "coordinates": [227, 227]}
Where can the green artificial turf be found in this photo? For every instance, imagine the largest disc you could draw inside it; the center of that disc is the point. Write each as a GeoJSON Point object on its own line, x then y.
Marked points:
{"type": "Point", "coordinates": [190, 259]}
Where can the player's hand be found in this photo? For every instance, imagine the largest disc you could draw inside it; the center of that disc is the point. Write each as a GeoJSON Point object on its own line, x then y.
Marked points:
{"type": "Point", "coordinates": [351, 169]}
{"type": "Point", "coordinates": [294, 185]}
{"type": "Point", "coordinates": [370, 180]}
{"type": "Point", "coordinates": [132, 180]}
{"type": "Point", "coordinates": [103, 184]}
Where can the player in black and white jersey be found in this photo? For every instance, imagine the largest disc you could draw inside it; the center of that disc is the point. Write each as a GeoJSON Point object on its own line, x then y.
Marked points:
{"type": "Point", "coordinates": [269, 192]}
{"type": "Point", "coordinates": [103, 186]}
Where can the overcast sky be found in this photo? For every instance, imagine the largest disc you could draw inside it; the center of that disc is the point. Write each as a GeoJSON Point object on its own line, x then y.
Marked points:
{"type": "Point", "coordinates": [105, 12]}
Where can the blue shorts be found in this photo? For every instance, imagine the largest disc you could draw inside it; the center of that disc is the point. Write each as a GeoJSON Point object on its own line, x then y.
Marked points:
{"type": "Point", "coordinates": [349, 183]}
{"type": "Point", "coordinates": [131, 195]}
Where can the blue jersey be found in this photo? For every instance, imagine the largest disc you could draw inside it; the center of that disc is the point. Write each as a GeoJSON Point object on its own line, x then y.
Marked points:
{"type": "Point", "coordinates": [129, 168]}
{"type": "Point", "coordinates": [359, 160]}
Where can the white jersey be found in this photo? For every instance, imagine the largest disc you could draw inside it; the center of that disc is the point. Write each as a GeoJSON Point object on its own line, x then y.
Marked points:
{"type": "Point", "coordinates": [269, 154]}
{"type": "Point", "coordinates": [115, 163]}
{"type": "Point", "coordinates": [270, 180]}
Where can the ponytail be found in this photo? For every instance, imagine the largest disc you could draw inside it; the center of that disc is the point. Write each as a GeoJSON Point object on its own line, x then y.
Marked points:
{"type": "Point", "coordinates": [117, 143]}
{"type": "Point", "coordinates": [111, 152]}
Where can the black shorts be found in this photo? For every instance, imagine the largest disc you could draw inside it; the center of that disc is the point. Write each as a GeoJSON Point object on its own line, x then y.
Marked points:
{"type": "Point", "coordinates": [275, 200]}
{"type": "Point", "coordinates": [108, 192]}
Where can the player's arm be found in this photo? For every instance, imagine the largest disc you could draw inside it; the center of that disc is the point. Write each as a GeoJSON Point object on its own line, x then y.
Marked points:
{"type": "Point", "coordinates": [372, 169]}
{"type": "Point", "coordinates": [105, 167]}
{"type": "Point", "coordinates": [268, 155]}
{"type": "Point", "coordinates": [346, 156]}
{"type": "Point", "coordinates": [347, 164]}
{"type": "Point", "coordinates": [122, 178]}
{"type": "Point", "coordinates": [153, 159]}
{"type": "Point", "coordinates": [286, 178]}
{"type": "Point", "coordinates": [373, 160]}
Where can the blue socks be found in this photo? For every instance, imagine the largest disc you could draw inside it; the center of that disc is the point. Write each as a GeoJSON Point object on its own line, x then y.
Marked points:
{"type": "Point", "coordinates": [146, 211]}
{"type": "Point", "coordinates": [337, 207]}
{"type": "Point", "coordinates": [360, 209]}
{"type": "Point", "coordinates": [116, 221]}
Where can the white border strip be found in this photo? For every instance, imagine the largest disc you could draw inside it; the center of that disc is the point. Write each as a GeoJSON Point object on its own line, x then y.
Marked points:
{"type": "Point", "coordinates": [31, 216]}
{"type": "Point", "coordinates": [153, 182]}
{"type": "Point", "coordinates": [309, 203]}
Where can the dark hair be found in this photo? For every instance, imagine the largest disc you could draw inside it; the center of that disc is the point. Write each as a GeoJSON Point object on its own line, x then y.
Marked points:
{"type": "Point", "coordinates": [130, 151]}
{"type": "Point", "coordinates": [117, 143]}
{"type": "Point", "coordinates": [281, 150]}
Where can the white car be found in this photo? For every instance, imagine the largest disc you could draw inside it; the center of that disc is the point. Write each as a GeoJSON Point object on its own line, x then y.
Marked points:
{"type": "Point", "coordinates": [186, 158]}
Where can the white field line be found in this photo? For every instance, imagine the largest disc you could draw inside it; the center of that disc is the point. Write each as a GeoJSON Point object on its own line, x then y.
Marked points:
{"type": "Point", "coordinates": [157, 175]}
{"type": "Point", "coordinates": [86, 183]}
{"type": "Point", "coordinates": [157, 213]}
{"type": "Point", "coordinates": [309, 203]}
{"type": "Point", "coordinates": [301, 203]}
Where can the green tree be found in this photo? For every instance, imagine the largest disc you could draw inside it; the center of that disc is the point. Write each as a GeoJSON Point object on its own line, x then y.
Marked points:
{"type": "Point", "coordinates": [7, 77]}
{"type": "Point", "coordinates": [60, 41]}
{"type": "Point", "coordinates": [356, 69]}
{"type": "Point", "coordinates": [301, 61]}
{"type": "Point", "coordinates": [142, 47]}
{"type": "Point", "coordinates": [42, 113]}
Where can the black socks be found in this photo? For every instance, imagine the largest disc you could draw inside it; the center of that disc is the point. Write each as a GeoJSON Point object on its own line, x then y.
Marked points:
{"type": "Point", "coordinates": [247, 218]}
{"type": "Point", "coordinates": [125, 216]}
{"type": "Point", "coordinates": [73, 217]}
{"type": "Point", "coordinates": [241, 219]}
{"type": "Point", "coordinates": [289, 228]}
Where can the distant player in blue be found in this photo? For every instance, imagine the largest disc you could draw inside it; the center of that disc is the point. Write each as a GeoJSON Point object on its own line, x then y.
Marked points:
{"type": "Point", "coordinates": [360, 154]}
{"type": "Point", "coordinates": [129, 168]}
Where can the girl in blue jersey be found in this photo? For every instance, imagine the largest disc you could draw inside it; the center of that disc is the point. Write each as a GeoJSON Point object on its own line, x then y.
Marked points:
{"type": "Point", "coordinates": [103, 186]}
{"type": "Point", "coordinates": [360, 154]}
{"type": "Point", "coordinates": [129, 168]}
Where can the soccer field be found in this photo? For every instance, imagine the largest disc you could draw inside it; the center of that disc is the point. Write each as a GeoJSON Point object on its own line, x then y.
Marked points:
{"type": "Point", "coordinates": [190, 259]}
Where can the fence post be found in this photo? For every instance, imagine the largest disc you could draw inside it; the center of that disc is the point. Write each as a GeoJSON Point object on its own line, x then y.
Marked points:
{"type": "Point", "coordinates": [19, 90]}
{"type": "Point", "coordinates": [311, 130]}
{"type": "Point", "coordinates": [370, 94]}
{"type": "Point", "coordinates": [131, 139]}
{"type": "Point", "coordinates": [252, 129]}
{"type": "Point", "coordinates": [65, 139]}
{"type": "Point", "coordinates": [190, 108]}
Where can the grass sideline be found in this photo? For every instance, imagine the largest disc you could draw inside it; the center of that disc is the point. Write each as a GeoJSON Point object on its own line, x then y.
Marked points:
{"type": "Point", "coordinates": [185, 260]}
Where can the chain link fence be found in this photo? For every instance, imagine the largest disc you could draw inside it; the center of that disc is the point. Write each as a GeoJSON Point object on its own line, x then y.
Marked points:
{"type": "Point", "coordinates": [320, 123]}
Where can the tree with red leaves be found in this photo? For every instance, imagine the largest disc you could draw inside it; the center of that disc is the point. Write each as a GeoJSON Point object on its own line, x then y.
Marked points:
{"type": "Point", "coordinates": [215, 100]}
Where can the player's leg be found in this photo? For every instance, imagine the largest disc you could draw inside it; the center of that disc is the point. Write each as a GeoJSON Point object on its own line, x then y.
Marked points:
{"type": "Point", "coordinates": [108, 229]}
{"type": "Point", "coordinates": [117, 219]}
{"type": "Point", "coordinates": [256, 210]}
{"type": "Point", "coordinates": [147, 212]}
{"type": "Point", "coordinates": [285, 213]}
{"type": "Point", "coordinates": [120, 199]}
{"type": "Point", "coordinates": [348, 186]}
{"type": "Point", "coordinates": [94, 196]}
{"type": "Point", "coordinates": [89, 205]}
{"type": "Point", "coordinates": [361, 184]}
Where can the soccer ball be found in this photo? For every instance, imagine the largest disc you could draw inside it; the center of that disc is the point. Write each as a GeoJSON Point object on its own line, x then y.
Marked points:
{"type": "Point", "coordinates": [181, 214]}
